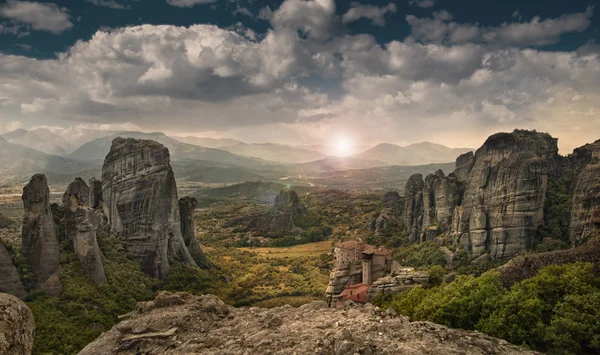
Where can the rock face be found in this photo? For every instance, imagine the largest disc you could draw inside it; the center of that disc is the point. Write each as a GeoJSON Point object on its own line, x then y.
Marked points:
{"type": "Point", "coordinates": [441, 194]}
{"type": "Point", "coordinates": [40, 244]}
{"type": "Point", "coordinates": [140, 200]}
{"type": "Point", "coordinates": [95, 198]}
{"type": "Point", "coordinates": [502, 206]}
{"type": "Point", "coordinates": [390, 215]}
{"type": "Point", "coordinates": [413, 206]}
{"type": "Point", "coordinates": [185, 324]}
{"type": "Point", "coordinates": [288, 207]}
{"type": "Point", "coordinates": [10, 282]}
{"type": "Point", "coordinates": [464, 164]}
{"type": "Point", "coordinates": [81, 224]}
{"type": "Point", "coordinates": [400, 280]}
{"type": "Point", "coordinates": [17, 327]}
{"type": "Point", "coordinates": [585, 211]}
{"type": "Point", "coordinates": [187, 205]}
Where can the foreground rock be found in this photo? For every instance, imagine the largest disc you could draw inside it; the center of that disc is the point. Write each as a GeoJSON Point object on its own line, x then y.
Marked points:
{"type": "Point", "coordinates": [81, 224]}
{"type": "Point", "coordinates": [140, 200]}
{"type": "Point", "coordinates": [10, 282]}
{"type": "Point", "coordinates": [40, 243]}
{"type": "Point", "coordinates": [185, 324]}
{"type": "Point", "coordinates": [17, 327]}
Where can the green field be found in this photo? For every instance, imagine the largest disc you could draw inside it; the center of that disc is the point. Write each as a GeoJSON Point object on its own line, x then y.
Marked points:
{"type": "Point", "coordinates": [296, 251]}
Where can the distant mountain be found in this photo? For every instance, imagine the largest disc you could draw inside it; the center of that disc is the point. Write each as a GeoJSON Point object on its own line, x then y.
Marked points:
{"type": "Point", "coordinates": [339, 164]}
{"type": "Point", "coordinates": [41, 139]}
{"type": "Point", "coordinates": [275, 152]}
{"type": "Point", "coordinates": [98, 148]}
{"type": "Point", "coordinates": [414, 154]}
{"type": "Point", "coordinates": [18, 163]}
{"type": "Point", "coordinates": [208, 142]}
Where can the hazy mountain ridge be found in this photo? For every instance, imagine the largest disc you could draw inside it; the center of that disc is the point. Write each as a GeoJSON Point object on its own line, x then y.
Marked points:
{"type": "Point", "coordinates": [275, 152]}
{"type": "Point", "coordinates": [414, 154]}
{"type": "Point", "coordinates": [208, 142]}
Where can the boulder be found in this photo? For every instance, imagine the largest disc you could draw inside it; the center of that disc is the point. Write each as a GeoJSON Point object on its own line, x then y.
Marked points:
{"type": "Point", "coordinates": [40, 243]}
{"type": "Point", "coordinates": [187, 205]}
{"type": "Point", "coordinates": [17, 326]}
{"type": "Point", "coordinates": [140, 200]}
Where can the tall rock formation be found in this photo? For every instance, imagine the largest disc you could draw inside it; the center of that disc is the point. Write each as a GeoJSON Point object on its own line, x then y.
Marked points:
{"type": "Point", "coordinates": [95, 198]}
{"type": "Point", "coordinates": [40, 244]}
{"type": "Point", "coordinates": [464, 164]}
{"type": "Point", "coordinates": [81, 224]}
{"type": "Point", "coordinates": [413, 206]}
{"type": "Point", "coordinates": [187, 205]}
{"type": "Point", "coordinates": [585, 210]}
{"type": "Point", "coordinates": [288, 207]}
{"type": "Point", "coordinates": [10, 282]}
{"type": "Point", "coordinates": [390, 216]}
{"type": "Point", "coordinates": [502, 206]}
{"type": "Point", "coordinates": [140, 199]}
{"type": "Point", "coordinates": [441, 194]}
{"type": "Point", "coordinates": [17, 326]}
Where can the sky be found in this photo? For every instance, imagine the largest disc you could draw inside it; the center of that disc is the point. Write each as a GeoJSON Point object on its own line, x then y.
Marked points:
{"type": "Point", "coordinates": [305, 71]}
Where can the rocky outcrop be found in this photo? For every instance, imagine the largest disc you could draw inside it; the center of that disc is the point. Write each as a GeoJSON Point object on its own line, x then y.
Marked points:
{"type": "Point", "coordinates": [187, 205]}
{"type": "Point", "coordinates": [441, 194]}
{"type": "Point", "coordinates": [10, 282]}
{"type": "Point", "coordinates": [95, 198]}
{"type": "Point", "coordinates": [185, 324]}
{"type": "Point", "coordinates": [402, 279]}
{"type": "Point", "coordinates": [81, 224]}
{"type": "Point", "coordinates": [77, 194]}
{"type": "Point", "coordinates": [17, 326]}
{"type": "Point", "coordinates": [502, 206]}
{"type": "Point", "coordinates": [140, 200]}
{"type": "Point", "coordinates": [390, 216]}
{"type": "Point", "coordinates": [275, 222]}
{"type": "Point", "coordinates": [40, 243]}
{"type": "Point", "coordinates": [413, 206]}
{"type": "Point", "coordinates": [464, 164]}
{"type": "Point", "coordinates": [288, 207]}
{"type": "Point", "coordinates": [526, 266]}
{"type": "Point", "coordinates": [585, 210]}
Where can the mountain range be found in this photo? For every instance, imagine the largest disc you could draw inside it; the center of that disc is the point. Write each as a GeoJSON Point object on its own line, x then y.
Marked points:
{"type": "Point", "coordinates": [414, 154]}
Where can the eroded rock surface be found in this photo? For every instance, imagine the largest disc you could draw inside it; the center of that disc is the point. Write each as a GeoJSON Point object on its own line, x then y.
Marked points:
{"type": "Point", "coordinates": [77, 194]}
{"type": "Point", "coordinates": [95, 193]}
{"type": "Point", "coordinates": [400, 280]}
{"type": "Point", "coordinates": [441, 194]}
{"type": "Point", "coordinates": [140, 200]}
{"type": "Point", "coordinates": [17, 327]}
{"type": "Point", "coordinates": [40, 243]}
{"type": "Point", "coordinates": [185, 324]}
{"type": "Point", "coordinates": [413, 206]}
{"type": "Point", "coordinates": [10, 282]}
{"type": "Point", "coordinates": [585, 210]}
{"type": "Point", "coordinates": [187, 205]}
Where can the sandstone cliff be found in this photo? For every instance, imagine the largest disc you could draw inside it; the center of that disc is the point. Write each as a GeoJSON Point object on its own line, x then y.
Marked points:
{"type": "Point", "coordinates": [585, 210]}
{"type": "Point", "coordinates": [17, 327]}
{"type": "Point", "coordinates": [187, 205]}
{"type": "Point", "coordinates": [441, 194]}
{"type": "Point", "coordinates": [10, 282]}
{"type": "Point", "coordinates": [185, 324]}
{"type": "Point", "coordinates": [40, 243]}
{"type": "Point", "coordinates": [81, 224]}
{"type": "Point", "coordinates": [413, 206]}
{"type": "Point", "coordinates": [140, 200]}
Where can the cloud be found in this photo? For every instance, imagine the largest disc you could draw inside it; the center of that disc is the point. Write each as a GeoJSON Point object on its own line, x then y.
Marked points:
{"type": "Point", "coordinates": [208, 79]}
{"type": "Point", "coordinates": [422, 3]}
{"type": "Point", "coordinates": [40, 16]}
{"type": "Point", "coordinates": [109, 3]}
{"type": "Point", "coordinates": [373, 13]}
{"type": "Point", "coordinates": [537, 32]}
{"type": "Point", "coordinates": [189, 3]}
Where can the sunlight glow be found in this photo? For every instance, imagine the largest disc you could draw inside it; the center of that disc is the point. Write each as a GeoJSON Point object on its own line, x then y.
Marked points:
{"type": "Point", "coordinates": [343, 146]}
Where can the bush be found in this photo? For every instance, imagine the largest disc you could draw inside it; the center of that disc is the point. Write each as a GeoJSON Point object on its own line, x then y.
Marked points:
{"type": "Point", "coordinates": [421, 255]}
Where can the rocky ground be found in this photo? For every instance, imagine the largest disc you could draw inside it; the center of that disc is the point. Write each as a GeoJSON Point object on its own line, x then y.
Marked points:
{"type": "Point", "coordinates": [184, 324]}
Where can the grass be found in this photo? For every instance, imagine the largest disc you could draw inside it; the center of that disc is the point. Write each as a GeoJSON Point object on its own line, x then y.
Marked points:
{"type": "Point", "coordinates": [310, 249]}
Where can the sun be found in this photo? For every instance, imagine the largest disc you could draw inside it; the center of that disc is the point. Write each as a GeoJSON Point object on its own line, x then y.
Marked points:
{"type": "Point", "coordinates": [342, 146]}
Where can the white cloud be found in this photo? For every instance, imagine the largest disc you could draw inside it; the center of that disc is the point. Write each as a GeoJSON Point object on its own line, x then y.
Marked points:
{"type": "Point", "coordinates": [537, 32]}
{"type": "Point", "coordinates": [9, 126]}
{"type": "Point", "coordinates": [373, 13]}
{"type": "Point", "coordinates": [422, 3]}
{"type": "Point", "coordinates": [40, 16]}
{"type": "Point", "coordinates": [315, 18]}
{"type": "Point", "coordinates": [110, 4]}
{"type": "Point", "coordinates": [189, 3]}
